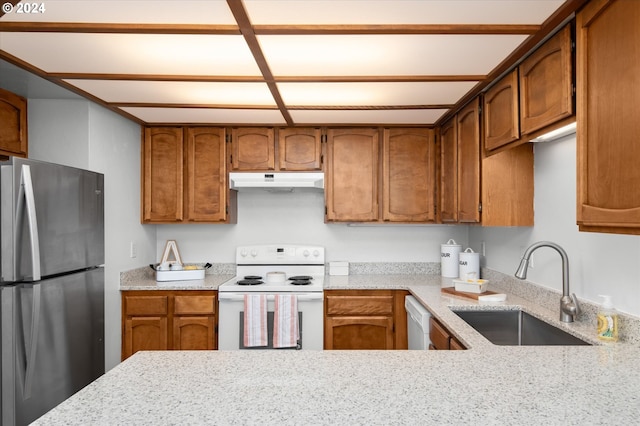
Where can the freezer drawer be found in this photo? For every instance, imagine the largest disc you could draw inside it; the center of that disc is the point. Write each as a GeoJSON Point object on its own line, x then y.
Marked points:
{"type": "Point", "coordinates": [417, 324]}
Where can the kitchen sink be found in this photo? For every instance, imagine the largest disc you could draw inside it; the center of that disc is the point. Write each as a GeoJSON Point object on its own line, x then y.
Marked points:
{"type": "Point", "coordinates": [517, 328]}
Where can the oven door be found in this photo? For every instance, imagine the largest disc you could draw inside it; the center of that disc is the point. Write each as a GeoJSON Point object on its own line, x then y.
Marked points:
{"type": "Point", "coordinates": [310, 314]}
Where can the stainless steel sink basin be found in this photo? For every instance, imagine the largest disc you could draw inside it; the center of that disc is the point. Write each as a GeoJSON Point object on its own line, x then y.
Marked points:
{"type": "Point", "coordinates": [517, 328]}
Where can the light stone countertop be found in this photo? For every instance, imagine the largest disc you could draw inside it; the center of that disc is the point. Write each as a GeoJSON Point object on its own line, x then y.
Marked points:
{"type": "Point", "coordinates": [485, 384]}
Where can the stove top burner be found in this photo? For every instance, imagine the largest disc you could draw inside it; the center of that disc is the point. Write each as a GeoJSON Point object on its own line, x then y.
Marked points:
{"type": "Point", "coordinates": [252, 277]}
{"type": "Point", "coordinates": [250, 282]}
{"type": "Point", "coordinates": [300, 282]}
{"type": "Point", "coordinates": [301, 278]}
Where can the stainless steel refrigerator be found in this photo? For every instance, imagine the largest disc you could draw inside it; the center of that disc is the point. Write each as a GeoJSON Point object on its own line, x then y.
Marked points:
{"type": "Point", "coordinates": [51, 287]}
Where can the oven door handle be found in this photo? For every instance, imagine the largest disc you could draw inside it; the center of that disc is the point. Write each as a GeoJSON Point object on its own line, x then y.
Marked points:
{"type": "Point", "coordinates": [240, 296]}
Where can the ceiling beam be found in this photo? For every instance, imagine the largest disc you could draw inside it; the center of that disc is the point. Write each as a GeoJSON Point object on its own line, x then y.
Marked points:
{"type": "Point", "coordinates": [260, 79]}
{"type": "Point", "coordinates": [112, 28]}
{"type": "Point", "coordinates": [240, 14]}
{"type": "Point", "coordinates": [455, 29]}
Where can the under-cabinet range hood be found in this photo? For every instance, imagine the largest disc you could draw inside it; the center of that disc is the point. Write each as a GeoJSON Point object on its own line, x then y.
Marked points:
{"type": "Point", "coordinates": [276, 181]}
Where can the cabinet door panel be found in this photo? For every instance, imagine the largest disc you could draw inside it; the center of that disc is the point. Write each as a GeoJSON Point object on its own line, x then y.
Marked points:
{"type": "Point", "coordinates": [355, 332]}
{"type": "Point", "coordinates": [206, 175]}
{"type": "Point", "coordinates": [608, 118]}
{"type": "Point", "coordinates": [352, 175]}
{"type": "Point", "coordinates": [408, 171]}
{"type": "Point", "coordinates": [145, 334]}
{"type": "Point", "coordinates": [163, 174]}
{"type": "Point", "coordinates": [193, 333]}
{"type": "Point", "coordinates": [501, 113]}
{"type": "Point", "coordinates": [545, 83]}
{"type": "Point", "coordinates": [13, 124]}
{"type": "Point", "coordinates": [299, 148]}
{"type": "Point", "coordinates": [468, 123]}
{"type": "Point", "coordinates": [253, 149]}
{"type": "Point", "coordinates": [449, 172]}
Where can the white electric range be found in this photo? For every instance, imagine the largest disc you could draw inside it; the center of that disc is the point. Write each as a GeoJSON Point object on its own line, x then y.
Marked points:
{"type": "Point", "coordinates": [274, 269]}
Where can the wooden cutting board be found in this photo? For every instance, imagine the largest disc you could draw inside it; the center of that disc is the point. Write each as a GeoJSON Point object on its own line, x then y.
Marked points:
{"type": "Point", "coordinates": [474, 296]}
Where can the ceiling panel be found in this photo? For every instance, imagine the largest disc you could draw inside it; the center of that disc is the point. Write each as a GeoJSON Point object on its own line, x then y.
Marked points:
{"type": "Point", "coordinates": [177, 54]}
{"type": "Point", "coordinates": [374, 94]}
{"type": "Point", "coordinates": [386, 55]}
{"type": "Point", "coordinates": [333, 12]}
{"type": "Point", "coordinates": [204, 116]}
{"type": "Point", "coordinates": [178, 92]}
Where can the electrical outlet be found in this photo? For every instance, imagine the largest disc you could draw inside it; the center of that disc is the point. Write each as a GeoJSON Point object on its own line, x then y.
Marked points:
{"type": "Point", "coordinates": [133, 250]}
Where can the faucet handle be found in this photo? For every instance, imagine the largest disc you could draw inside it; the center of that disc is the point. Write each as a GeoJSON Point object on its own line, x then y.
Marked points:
{"type": "Point", "coordinates": [574, 298]}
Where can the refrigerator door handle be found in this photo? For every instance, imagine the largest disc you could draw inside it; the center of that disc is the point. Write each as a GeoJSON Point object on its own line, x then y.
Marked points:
{"type": "Point", "coordinates": [33, 344]}
{"type": "Point", "coordinates": [26, 199]}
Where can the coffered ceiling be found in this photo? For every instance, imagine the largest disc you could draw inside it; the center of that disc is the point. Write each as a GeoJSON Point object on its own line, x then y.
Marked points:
{"type": "Point", "coordinates": [276, 62]}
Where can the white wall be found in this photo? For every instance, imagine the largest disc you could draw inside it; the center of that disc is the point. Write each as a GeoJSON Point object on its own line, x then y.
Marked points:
{"type": "Point", "coordinates": [82, 134]}
{"type": "Point", "coordinates": [298, 218]}
{"type": "Point", "coordinates": [599, 263]}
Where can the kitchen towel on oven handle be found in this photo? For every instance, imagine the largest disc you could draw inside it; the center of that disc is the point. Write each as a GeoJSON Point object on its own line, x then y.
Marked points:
{"type": "Point", "coordinates": [255, 320]}
{"type": "Point", "coordinates": [286, 329]}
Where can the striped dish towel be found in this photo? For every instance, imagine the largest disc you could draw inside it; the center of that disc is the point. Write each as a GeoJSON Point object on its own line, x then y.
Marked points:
{"type": "Point", "coordinates": [286, 330]}
{"type": "Point", "coordinates": [255, 320]}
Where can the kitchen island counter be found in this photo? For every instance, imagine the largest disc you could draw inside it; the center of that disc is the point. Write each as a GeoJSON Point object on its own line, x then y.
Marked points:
{"type": "Point", "coordinates": [507, 385]}
{"type": "Point", "coordinates": [485, 384]}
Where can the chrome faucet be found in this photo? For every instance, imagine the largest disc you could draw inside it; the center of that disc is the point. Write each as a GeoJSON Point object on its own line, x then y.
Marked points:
{"type": "Point", "coordinates": [569, 306]}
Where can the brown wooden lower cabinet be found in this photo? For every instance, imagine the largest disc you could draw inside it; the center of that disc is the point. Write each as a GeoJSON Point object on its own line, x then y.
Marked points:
{"type": "Point", "coordinates": [365, 319]}
{"type": "Point", "coordinates": [164, 320]}
{"type": "Point", "coordinates": [441, 337]}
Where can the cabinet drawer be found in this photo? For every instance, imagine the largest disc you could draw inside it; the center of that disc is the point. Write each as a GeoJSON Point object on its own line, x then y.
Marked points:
{"type": "Point", "coordinates": [146, 305]}
{"type": "Point", "coordinates": [194, 305]}
{"type": "Point", "coordinates": [360, 305]}
{"type": "Point", "coordinates": [438, 334]}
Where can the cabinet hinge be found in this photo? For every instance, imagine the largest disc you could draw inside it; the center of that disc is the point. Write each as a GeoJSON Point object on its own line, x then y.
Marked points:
{"type": "Point", "coordinates": [323, 138]}
{"type": "Point", "coordinates": [322, 159]}
{"type": "Point", "coordinates": [480, 207]}
{"type": "Point", "coordinates": [573, 89]}
{"type": "Point", "coordinates": [325, 210]}
{"type": "Point", "coordinates": [479, 109]}
{"type": "Point", "coordinates": [573, 46]}
{"type": "Point", "coordinates": [227, 138]}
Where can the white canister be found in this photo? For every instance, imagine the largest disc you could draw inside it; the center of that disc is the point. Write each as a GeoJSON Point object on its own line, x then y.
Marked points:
{"type": "Point", "coordinates": [449, 259]}
{"type": "Point", "coordinates": [469, 265]}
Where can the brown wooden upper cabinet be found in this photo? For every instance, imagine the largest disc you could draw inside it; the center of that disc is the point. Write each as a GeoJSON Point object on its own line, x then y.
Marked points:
{"type": "Point", "coordinates": [534, 98]}
{"type": "Point", "coordinates": [449, 172]}
{"type": "Point", "coordinates": [408, 175]}
{"type": "Point", "coordinates": [460, 166]}
{"type": "Point", "coordinates": [468, 167]}
{"type": "Point", "coordinates": [608, 116]}
{"type": "Point", "coordinates": [184, 176]}
{"type": "Point", "coordinates": [495, 190]}
{"type": "Point", "coordinates": [297, 149]}
{"type": "Point", "coordinates": [546, 83]}
{"type": "Point", "coordinates": [253, 149]}
{"type": "Point", "coordinates": [501, 112]}
{"type": "Point", "coordinates": [351, 177]}
{"type": "Point", "coordinates": [13, 124]}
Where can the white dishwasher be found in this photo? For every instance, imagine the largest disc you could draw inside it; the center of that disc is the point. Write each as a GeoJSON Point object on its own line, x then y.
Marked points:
{"type": "Point", "coordinates": [417, 324]}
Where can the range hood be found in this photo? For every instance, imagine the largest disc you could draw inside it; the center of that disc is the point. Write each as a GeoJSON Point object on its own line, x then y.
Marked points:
{"type": "Point", "coordinates": [276, 181]}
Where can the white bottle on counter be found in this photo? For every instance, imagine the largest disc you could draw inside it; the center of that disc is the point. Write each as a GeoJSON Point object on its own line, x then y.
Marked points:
{"type": "Point", "coordinates": [607, 321]}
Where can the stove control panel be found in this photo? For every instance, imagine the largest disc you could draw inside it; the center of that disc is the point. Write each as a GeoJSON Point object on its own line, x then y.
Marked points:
{"type": "Point", "coordinates": [280, 254]}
